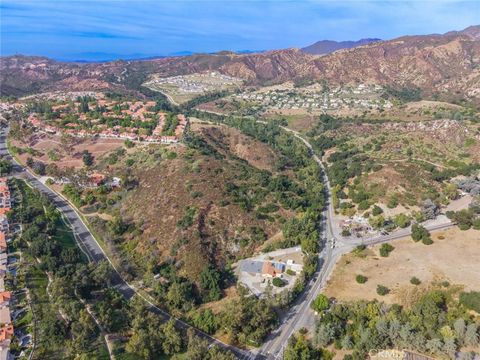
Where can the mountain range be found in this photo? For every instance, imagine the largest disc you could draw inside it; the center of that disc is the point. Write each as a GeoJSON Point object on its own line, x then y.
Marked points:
{"type": "Point", "coordinates": [446, 66]}
{"type": "Point", "coordinates": [327, 46]}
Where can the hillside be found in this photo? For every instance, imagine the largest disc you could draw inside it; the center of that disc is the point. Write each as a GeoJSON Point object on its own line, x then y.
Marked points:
{"type": "Point", "coordinates": [445, 65]}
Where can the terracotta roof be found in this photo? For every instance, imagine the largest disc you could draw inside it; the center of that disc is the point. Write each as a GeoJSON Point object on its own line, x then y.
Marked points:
{"type": "Point", "coordinates": [6, 332]}
{"type": "Point", "coordinates": [3, 241]}
{"type": "Point", "coordinates": [5, 296]}
{"type": "Point", "coordinates": [269, 269]}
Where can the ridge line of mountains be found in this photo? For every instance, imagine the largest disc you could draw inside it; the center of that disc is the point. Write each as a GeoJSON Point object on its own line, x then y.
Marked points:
{"type": "Point", "coordinates": [444, 66]}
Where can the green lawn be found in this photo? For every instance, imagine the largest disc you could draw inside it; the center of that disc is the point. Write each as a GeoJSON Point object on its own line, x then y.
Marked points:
{"type": "Point", "coordinates": [64, 235]}
{"type": "Point", "coordinates": [24, 320]}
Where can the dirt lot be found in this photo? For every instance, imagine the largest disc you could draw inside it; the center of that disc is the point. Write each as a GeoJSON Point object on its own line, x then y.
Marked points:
{"type": "Point", "coordinates": [71, 158]}
{"type": "Point", "coordinates": [454, 257]}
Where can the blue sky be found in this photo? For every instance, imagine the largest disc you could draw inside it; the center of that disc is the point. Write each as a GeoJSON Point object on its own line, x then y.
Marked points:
{"type": "Point", "coordinates": [94, 30]}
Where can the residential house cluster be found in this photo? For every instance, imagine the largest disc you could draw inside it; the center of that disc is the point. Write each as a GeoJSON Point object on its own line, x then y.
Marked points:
{"type": "Point", "coordinates": [137, 110]}
{"type": "Point", "coordinates": [6, 327]}
{"type": "Point", "coordinates": [313, 98]}
{"type": "Point", "coordinates": [194, 83]}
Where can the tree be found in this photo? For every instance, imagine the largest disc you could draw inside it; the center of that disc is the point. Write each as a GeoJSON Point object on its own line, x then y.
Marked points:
{"type": "Point", "coordinates": [402, 220]}
{"type": "Point", "coordinates": [206, 321]}
{"type": "Point", "coordinates": [429, 209]}
{"type": "Point", "coordinates": [449, 347]}
{"type": "Point", "coordinates": [320, 303]}
{"type": "Point", "coordinates": [147, 336]}
{"type": "Point", "coordinates": [420, 233]}
{"type": "Point", "coordinates": [179, 296]}
{"type": "Point", "coordinates": [471, 335]}
{"type": "Point", "coordinates": [386, 249]}
{"type": "Point", "coordinates": [451, 191]}
{"type": "Point", "coordinates": [39, 168]}
{"type": "Point", "coordinates": [87, 158]}
{"type": "Point", "coordinates": [377, 222]}
{"type": "Point", "coordinates": [103, 273]}
{"type": "Point", "coordinates": [5, 167]}
{"type": "Point", "coordinates": [210, 284]}
{"type": "Point", "coordinates": [434, 345]}
{"type": "Point", "coordinates": [299, 348]}
{"type": "Point", "coordinates": [197, 348]}
{"type": "Point", "coordinates": [172, 342]}
{"type": "Point", "coordinates": [324, 335]}
{"type": "Point", "coordinates": [460, 328]}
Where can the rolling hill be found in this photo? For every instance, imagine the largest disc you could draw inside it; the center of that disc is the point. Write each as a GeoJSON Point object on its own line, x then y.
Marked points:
{"type": "Point", "coordinates": [445, 66]}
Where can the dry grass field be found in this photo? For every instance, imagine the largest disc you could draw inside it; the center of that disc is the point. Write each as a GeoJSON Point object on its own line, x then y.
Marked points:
{"type": "Point", "coordinates": [454, 257]}
{"type": "Point", "coordinates": [45, 145]}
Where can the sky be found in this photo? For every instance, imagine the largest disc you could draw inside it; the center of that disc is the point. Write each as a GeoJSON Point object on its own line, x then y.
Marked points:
{"type": "Point", "coordinates": [112, 29]}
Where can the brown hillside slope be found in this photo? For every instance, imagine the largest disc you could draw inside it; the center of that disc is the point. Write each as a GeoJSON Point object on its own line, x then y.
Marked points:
{"type": "Point", "coordinates": [447, 64]}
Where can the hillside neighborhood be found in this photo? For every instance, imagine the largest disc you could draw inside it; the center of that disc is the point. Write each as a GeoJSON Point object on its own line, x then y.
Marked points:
{"type": "Point", "coordinates": [98, 116]}
{"type": "Point", "coordinates": [7, 331]}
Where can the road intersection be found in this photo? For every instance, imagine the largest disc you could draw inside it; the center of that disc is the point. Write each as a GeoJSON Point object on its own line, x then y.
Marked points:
{"type": "Point", "coordinates": [298, 316]}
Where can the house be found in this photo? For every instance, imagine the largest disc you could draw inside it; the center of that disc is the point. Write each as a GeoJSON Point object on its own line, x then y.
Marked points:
{"type": "Point", "coordinates": [272, 269]}
{"type": "Point", "coordinates": [3, 242]}
{"type": "Point", "coordinates": [251, 266]}
{"type": "Point", "coordinates": [6, 333]}
{"type": "Point", "coordinates": [95, 180]}
{"type": "Point", "coordinates": [5, 297]}
{"type": "Point", "coordinates": [3, 223]}
{"type": "Point", "coordinates": [293, 266]}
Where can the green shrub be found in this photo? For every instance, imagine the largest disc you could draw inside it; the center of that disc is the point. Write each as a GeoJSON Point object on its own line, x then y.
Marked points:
{"type": "Point", "coordinates": [471, 300]}
{"type": "Point", "coordinates": [427, 240]}
{"type": "Point", "coordinates": [392, 202]}
{"type": "Point", "coordinates": [346, 232]}
{"type": "Point", "coordinates": [361, 279]}
{"type": "Point", "coordinates": [376, 210]}
{"type": "Point", "coordinates": [363, 205]}
{"type": "Point", "coordinates": [382, 290]}
{"type": "Point", "coordinates": [415, 281]}
{"type": "Point", "coordinates": [278, 282]}
{"type": "Point", "coordinates": [188, 218]}
{"type": "Point", "coordinates": [402, 220]}
{"type": "Point", "coordinates": [386, 249]}
{"type": "Point", "coordinates": [291, 272]}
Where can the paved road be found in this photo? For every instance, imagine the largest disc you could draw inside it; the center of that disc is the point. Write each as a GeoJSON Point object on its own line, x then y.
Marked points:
{"type": "Point", "coordinates": [300, 314]}
{"type": "Point", "coordinates": [89, 245]}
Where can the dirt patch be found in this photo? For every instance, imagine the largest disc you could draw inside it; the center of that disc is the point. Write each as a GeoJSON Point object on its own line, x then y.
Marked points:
{"type": "Point", "coordinates": [68, 156]}
{"type": "Point", "coordinates": [232, 140]}
{"type": "Point", "coordinates": [454, 257]}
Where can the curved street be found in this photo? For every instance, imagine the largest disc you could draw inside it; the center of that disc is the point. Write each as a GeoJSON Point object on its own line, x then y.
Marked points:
{"type": "Point", "coordinates": [298, 316]}
{"type": "Point", "coordinates": [90, 246]}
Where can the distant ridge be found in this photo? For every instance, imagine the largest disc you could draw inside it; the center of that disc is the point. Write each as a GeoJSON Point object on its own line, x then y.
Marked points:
{"type": "Point", "coordinates": [328, 46]}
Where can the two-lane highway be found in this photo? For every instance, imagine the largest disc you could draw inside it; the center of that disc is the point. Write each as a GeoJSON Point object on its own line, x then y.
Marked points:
{"type": "Point", "coordinates": [300, 314]}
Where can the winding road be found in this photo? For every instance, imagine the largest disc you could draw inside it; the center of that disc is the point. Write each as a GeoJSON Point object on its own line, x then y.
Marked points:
{"type": "Point", "coordinates": [298, 316]}
{"type": "Point", "coordinates": [92, 249]}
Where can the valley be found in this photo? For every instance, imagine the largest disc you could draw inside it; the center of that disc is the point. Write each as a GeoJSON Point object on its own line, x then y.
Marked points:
{"type": "Point", "coordinates": [268, 205]}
